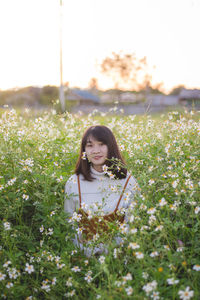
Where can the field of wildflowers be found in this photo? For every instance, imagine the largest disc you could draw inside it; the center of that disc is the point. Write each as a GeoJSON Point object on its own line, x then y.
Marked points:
{"type": "Point", "coordinates": [160, 256]}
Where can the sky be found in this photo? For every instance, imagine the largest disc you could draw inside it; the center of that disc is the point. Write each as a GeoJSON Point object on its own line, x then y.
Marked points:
{"type": "Point", "coordinates": [165, 31]}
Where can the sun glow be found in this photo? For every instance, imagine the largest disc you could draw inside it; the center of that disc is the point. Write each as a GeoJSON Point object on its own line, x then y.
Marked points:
{"type": "Point", "coordinates": [163, 31]}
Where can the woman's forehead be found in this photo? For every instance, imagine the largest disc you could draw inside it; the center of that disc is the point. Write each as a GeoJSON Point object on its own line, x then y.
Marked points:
{"type": "Point", "coordinates": [91, 139]}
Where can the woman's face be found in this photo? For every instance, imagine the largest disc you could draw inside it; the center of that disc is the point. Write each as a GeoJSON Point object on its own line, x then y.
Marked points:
{"type": "Point", "coordinates": [96, 152]}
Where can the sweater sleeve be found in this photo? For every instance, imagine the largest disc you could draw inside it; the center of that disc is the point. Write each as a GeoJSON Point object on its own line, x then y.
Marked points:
{"type": "Point", "coordinates": [132, 189]}
{"type": "Point", "coordinates": [71, 197]}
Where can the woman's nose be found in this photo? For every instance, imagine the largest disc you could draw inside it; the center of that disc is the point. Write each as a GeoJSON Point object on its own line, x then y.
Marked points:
{"type": "Point", "coordinates": [96, 149]}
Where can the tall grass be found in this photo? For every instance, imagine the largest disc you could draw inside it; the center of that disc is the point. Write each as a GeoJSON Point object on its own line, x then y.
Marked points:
{"type": "Point", "coordinates": [159, 258]}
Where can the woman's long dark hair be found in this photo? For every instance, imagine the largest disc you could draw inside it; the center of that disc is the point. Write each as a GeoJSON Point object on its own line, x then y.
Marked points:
{"type": "Point", "coordinates": [114, 161]}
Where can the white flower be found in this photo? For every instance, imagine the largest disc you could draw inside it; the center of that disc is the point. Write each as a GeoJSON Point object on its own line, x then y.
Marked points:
{"type": "Point", "coordinates": [139, 255]}
{"type": "Point", "coordinates": [115, 252]}
{"type": "Point", "coordinates": [145, 275]}
{"type": "Point", "coordinates": [180, 249]}
{"type": "Point", "coordinates": [131, 219]}
{"type": "Point", "coordinates": [155, 295]}
{"type": "Point", "coordinates": [105, 168]}
{"type": "Point", "coordinates": [69, 281]}
{"type": "Point", "coordinates": [45, 286]}
{"type": "Point", "coordinates": [13, 273]}
{"type": "Point", "coordinates": [118, 283]}
{"type": "Point", "coordinates": [9, 285]}
{"type": "Point", "coordinates": [133, 246]}
{"type": "Point", "coordinates": [133, 230]}
{"type": "Point", "coordinates": [95, 237]}
{"type": "Point", "coordinates": [25, 197]}
{"type": "Point", "coordinates": [187, 294]}
{"type": "Point", "coordinates": [175, 183]}
{"type": "Point", "coordinates": [54, 281]}
{"type": "Point", "coordinates": [101, 259]}
{"type": "Point", "coordinates": [7, 263]}
{"type": "Point", "coordinates": [144, 227]}
{"type": "Point", "coordinates": [88, 278]}
{"type": "Point", "coordinates": [162, 202]}
{"type": "Point", "coordinates": [152, 219]}
{"type": "Point", "coordinates": [151, 181]}
{"type": "Point", "coordinates": [113, 188]}
{"type": "Point", "coordinates": [50, 231]}
{"type": "Point", "coordinates": [29, 268]}
{"type": "Point", "coordinates": [129, 290]}
{"type": "Point", "coordinates": [11, 181]}
{"type": "Point", "coordinates": [159, 227]}
{"type": "Point", "coordinates": [121, 147]}
{"type": "Point", "coordinates": [196, 267]}
{"type": "Point", "coordinates": [149, 287]}
{"type": "Point", "coordinates": [6, 225]}
{"type": "Point", "coordinates": [151, 211]}
{"type": "Point", "coordinates": [154, 254]}
{"type": "Point", "coordinates": [60, 266]}
{"type": "Point", "coordinates": [76, 269]}
{"type": "Point", "coordinates": [197, 210]}
{"type": "Point", "coordinates": [76, 217]}
{"type": "Point", "coordinates": [2, 276]}
{"type": "Point", "coordinates": [167, 247]}
{"type": "Point", "coordinates": [71, 294]}
{"type": "Point", "coordinates": [42, 228]}
{"type": "Point", "coordinates": [111, 175]}
{"type": "Point", "coordinates": [127, 277]}
{"type": "Point", "coordinates": [172, 281]}
{"type": "Point", "coordinates": [59, 179]}
{"type": "Point", "coordinates": [84, 156]}
{"type": "Point", "coordinates": [50, 257]}
{"type": "Point", "coordinates": [57, 259]}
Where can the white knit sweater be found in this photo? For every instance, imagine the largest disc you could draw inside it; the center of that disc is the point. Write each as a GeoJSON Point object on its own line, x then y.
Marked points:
{"type": "Point", "coordinates": [100, 196]}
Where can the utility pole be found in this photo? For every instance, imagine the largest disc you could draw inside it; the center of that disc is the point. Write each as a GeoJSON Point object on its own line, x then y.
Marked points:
{"type": "Point", "coordinates": [61, 90]}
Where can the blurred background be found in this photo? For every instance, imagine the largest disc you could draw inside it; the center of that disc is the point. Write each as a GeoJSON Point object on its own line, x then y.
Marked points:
{"type": "Point", "coordinates": [81, 55]}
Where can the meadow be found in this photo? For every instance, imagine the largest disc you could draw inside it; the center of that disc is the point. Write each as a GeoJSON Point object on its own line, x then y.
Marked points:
{"type": "Point", "coordinates": [160, 256]}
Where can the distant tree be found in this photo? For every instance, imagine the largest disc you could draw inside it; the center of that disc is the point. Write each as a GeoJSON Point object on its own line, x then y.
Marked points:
{"type": "Point", "coordinates": [93, 84]}
{"type": "Point", "coordinates": [127, 71]}
{"type": "Point", "coordinates": [176, 90]}
{"type": "Point", "coordinates": [48, 94]}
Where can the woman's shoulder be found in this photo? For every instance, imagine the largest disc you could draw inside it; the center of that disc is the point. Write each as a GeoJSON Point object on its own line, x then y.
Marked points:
{"type": "Point", "coordinates": [72, 180]}
{"type": "Point", "coordinates": [132, 183]}
{"type": "Point", "coordinates": [131, 177]}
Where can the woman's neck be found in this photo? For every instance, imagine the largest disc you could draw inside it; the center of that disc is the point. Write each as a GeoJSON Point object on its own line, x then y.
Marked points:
{"type": "Point", "coordinates": [98, 168]}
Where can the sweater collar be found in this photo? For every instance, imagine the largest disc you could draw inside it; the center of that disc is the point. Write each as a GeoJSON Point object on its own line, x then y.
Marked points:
{"type": "Point", "coordinates": [96, 174]}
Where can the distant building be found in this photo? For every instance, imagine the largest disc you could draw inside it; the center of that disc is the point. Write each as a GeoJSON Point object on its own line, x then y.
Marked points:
{"type": "Point", "coordinates": [130, 97]}
{"type": "Point", "coordinates": [122, 97]}
{"type": "Point", "coordinates": [82, 96]}
{"type": "Point", "coordinates": [162, 100]}
{"type": "Point", "coordinates": [108, 98]}
{"type": "Point", "coordinates": [187, 94]}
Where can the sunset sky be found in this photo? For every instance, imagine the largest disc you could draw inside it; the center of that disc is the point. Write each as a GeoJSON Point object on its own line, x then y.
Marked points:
{"type": "Point", "coordinates": [167, 32]}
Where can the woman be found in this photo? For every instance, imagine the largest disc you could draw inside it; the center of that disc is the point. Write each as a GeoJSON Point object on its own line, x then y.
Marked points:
{"type": "Point", "coordinates": [101, 190]}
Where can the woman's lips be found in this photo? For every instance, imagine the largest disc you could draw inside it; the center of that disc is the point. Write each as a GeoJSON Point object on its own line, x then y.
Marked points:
{"type": "Point", "coordinates": [97, 157]}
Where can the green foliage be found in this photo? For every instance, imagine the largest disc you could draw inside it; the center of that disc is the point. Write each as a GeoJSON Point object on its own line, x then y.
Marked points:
{"type": "Point", "coordinates": [38, 257]}
{"type": "Point", "coordinates": [29, 96]}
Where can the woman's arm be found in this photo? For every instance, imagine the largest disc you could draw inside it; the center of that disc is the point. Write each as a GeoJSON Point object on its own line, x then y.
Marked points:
{"type": "Point", "coordinates": [71, 199]}
{"type": "Point", "coordinates": [132, 189]}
